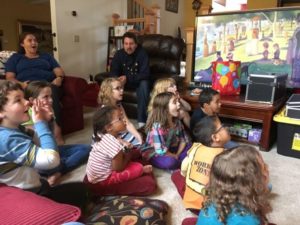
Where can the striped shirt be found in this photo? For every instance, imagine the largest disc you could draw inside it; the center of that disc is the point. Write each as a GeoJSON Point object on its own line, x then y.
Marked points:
{"type": "Point", "coordinates": [99, 165]}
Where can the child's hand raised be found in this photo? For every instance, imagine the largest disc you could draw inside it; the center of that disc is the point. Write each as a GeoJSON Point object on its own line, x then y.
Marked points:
{"type": "Point", "coordinates": [41, 112]}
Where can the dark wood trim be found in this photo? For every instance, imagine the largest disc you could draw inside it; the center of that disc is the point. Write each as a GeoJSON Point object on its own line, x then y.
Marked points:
{"type": "Point", "coordinates": [281, 3]}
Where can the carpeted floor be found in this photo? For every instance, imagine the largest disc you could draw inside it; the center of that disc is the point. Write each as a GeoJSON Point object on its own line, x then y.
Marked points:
{"type": "Point", "coordinates": [284, 176]}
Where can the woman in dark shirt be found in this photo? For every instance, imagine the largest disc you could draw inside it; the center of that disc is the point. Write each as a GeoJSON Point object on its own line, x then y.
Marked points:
{"type": "Point", "coordinates": [29, 64]}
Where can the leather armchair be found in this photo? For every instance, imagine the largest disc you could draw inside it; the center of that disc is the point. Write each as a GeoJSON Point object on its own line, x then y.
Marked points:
{"type": "Point", "coordinates": [165, 54]}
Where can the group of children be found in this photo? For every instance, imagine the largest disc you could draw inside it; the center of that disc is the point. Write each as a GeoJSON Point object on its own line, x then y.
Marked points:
{"type": "Point", "coordinates": [228, 186]}
{"type": "Point", "coordinates": [30, 158]}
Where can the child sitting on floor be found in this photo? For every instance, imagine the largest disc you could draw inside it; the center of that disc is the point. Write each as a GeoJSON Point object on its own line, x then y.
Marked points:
{"type": "Point", "coordinates": [71, 156]}
{"type": "Point", "coordinates": [210, 104]}
{"type": "Point", "coordinates": [110, 170]}
{"type": "Point", "coordinates": [166, 143]}
{"type": "Point", "coordinates": [238, 191]}
{"type": "Point", "coordinates": [20, 157]}
{"type": "Point", "coordinates": [169, 85]}
{"type": "Point", "coordinates": [111, 94]}
{"type": "Point", "coordinates": [210, 136]}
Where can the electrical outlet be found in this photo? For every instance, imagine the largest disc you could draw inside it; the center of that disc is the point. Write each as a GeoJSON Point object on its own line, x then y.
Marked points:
{"type": "Point", "coordinates": [76, 38]}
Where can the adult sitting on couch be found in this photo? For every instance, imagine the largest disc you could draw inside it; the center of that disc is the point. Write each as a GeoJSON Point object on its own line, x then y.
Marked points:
{"type": "Point", "coordinates": [28, 65]}
{"type": "Point", "coordinates": [131, 64]}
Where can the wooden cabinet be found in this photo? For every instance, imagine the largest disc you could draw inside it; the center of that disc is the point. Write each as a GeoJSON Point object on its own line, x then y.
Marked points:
{"type": "Point", "coordinates": [235, 107]}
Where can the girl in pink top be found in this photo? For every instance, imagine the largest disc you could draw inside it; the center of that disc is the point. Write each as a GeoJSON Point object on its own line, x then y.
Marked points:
{"type": "Point", "coordinates": [110, 170]}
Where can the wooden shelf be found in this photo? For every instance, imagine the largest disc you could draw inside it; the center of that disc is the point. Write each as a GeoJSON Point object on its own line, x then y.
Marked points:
{"type": "Point", "coordinates": [114, 43]}
{"type": "Point", "coordinates": [235, 107]}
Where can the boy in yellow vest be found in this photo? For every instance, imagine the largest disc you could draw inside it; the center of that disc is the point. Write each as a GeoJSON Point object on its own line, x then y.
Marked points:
{"type": "Point", "coordinates": [210, 136]}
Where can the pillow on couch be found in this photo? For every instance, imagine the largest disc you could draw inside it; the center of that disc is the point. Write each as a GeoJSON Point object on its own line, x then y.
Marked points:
{"type": "Point", "coordinates": [4, 55]}
{"type": "Point", "coordinates": [128, 210]}
{"type": "Point", "coordinates": [22, 207]}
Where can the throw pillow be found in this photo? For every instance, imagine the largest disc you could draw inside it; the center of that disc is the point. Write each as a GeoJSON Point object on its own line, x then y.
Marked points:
{"type": "Point", "coordinates": [22, 207]}
{"type": "Point", "coordinates": [128, 210]}
{"type": "Point", "coordinates": [4, 55]}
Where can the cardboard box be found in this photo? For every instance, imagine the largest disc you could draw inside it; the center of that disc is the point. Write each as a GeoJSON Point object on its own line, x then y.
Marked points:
{"type": "Point", "coordinates": [265, 88]}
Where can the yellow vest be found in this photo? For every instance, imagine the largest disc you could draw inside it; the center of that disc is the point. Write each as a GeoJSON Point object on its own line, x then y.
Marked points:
{"type": "Point", "coordinates": [197, 166]}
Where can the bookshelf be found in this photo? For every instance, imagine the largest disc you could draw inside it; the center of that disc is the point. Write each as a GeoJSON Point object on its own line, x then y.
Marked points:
{"type": "Point", "coordinates": [114, 44]}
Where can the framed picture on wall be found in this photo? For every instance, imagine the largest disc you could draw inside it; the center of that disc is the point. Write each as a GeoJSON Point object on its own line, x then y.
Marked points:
{"type": "Point", "coordinates": [172, 5]}
{"type": "Point", "coordinates": [42, 31]}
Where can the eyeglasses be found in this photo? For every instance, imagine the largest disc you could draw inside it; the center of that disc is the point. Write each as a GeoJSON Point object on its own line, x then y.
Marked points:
{"type": "Point", "coordinates": [118, 88]}
{"type": "Point", "coordinates": [117, 120]}
{"type": "Point", "coordinates": [220, 128]}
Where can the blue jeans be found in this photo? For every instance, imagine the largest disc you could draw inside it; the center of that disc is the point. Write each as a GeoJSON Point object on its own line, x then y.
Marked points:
{"type": "Point", "coordinates": [71, 156]}
{"type": "Point", "coordinates": [143, 93]}
{"type": "Point", "coordinates": [231, 144]}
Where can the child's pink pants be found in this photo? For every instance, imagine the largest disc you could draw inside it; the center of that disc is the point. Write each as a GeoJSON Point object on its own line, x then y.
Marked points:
{"type": "Point", "coordinates": [131, 181]}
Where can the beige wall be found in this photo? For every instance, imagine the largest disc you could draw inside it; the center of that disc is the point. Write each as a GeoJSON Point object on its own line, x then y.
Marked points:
{"type": "Point", "coordinates": [88, 56]}
{"type": "Point", "coordinates": [13, 10]}
{"type": "Point", "coordinates": [170, 21]}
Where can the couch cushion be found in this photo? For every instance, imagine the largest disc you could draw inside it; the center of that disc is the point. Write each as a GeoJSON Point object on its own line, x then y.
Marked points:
{"type": "Point", "coordinates": [22, 207]}
{"type": "Point", "coordinates": [164, 53]}
{"type": "Point", "coordinates": [128, 210]}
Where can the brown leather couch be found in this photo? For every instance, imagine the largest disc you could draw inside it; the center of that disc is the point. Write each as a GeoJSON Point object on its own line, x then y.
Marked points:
{"type": "Point", "coordinates": [165, 54]}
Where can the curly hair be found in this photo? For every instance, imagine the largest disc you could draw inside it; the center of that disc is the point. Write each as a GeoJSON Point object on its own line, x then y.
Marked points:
{"type": "Point", "coordinates": [160, 112]}
{"type": "Point", "coordinates": [106, 91]}
{"type": "Point", "coordinates": [161, 85]}
{"type": "Point", "coordinates": [239, 176]}
{"type": "Point", "coordinates": [6, 87]}
{"type": "Point", "coordinates": [102, 117]}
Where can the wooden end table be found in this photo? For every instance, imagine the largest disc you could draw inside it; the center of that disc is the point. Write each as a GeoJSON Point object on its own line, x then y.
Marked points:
{"type": "Point", "coordinates": [235, 107]}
